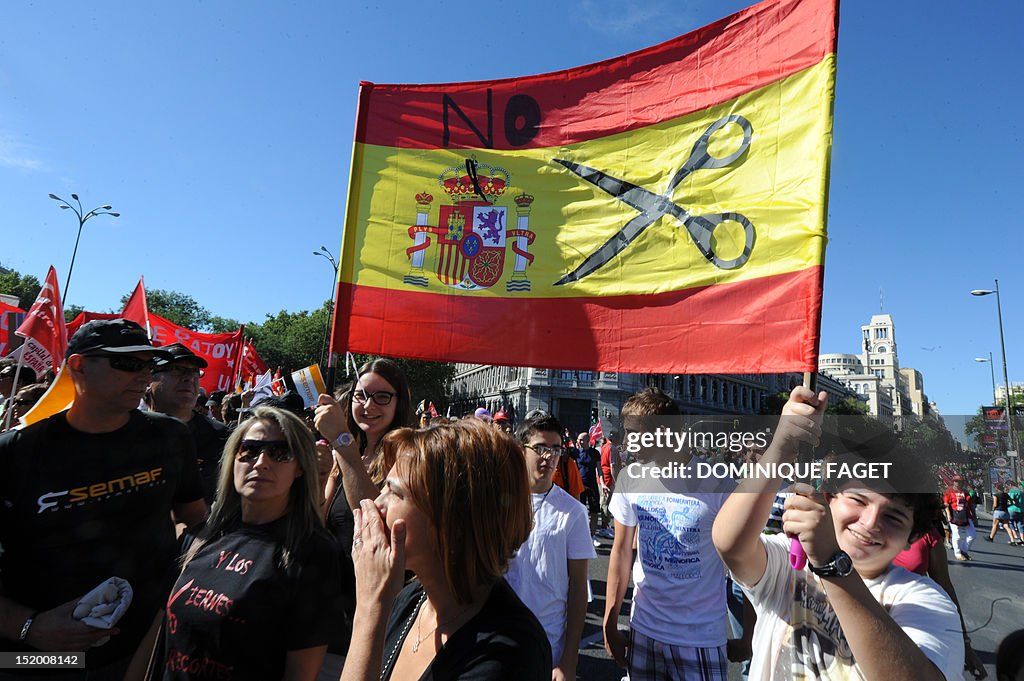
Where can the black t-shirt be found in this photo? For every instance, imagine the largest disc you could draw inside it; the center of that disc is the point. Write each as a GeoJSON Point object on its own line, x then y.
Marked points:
{"type": "Point", "coordinates": [341, 525]}
{"type": "Point", "coordinates": [78, 508]}
{"type": "Point", "coordinates": [502, 641]}
{"type": "Point", "coordinates": [209, 436]}
{"type": "Point", "coordinates": [234, 613]}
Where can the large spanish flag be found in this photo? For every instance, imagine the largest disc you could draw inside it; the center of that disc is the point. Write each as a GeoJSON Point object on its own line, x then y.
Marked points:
{"type": "Point", "coordinates": [663, 211]}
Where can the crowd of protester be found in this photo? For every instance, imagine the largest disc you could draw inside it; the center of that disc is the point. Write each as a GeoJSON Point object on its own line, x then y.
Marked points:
{"type": "Point", "coordinates": [208, 536]}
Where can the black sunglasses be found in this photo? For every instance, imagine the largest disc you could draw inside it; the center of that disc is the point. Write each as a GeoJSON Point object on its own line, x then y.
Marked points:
{"type": "Point", "coordinates": [276, 450]}
{"type": "Point", "coordinates": [126, 363]}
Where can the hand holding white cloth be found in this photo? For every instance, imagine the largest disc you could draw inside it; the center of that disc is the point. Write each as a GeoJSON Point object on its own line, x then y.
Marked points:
{"type": "Point", "coordinates": [105, 605]}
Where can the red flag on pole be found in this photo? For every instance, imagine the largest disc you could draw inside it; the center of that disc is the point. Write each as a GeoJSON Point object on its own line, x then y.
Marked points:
{"type": "Point", "coordinates": [136, 308]}
{"type": "Point", "coordinates": [44, 331]}
{"type": "Point", "coordinates": [252, 363]}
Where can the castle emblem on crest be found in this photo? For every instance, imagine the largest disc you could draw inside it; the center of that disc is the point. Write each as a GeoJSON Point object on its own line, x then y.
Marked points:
{"type": "Point", "coordinates": [472, 232]}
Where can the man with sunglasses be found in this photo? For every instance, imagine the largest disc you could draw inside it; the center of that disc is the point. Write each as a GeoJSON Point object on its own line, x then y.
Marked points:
{"type": "Point", "coordinates": [172, 390]}
{"type": "Point", "coordinates": [92, 493]}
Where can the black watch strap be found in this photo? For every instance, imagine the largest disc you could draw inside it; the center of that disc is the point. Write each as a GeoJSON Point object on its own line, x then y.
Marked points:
{"type": "Point", "coordinates": [839, 566]}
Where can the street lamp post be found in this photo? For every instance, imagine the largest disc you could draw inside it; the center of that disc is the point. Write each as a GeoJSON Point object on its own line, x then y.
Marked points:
{"type": "Point", "coordinates": [992, 367]}
{"type": "Point", "coordinates": [83, 217]}
{"type": "Point", "coordinates": [324, 253]}
{"type": "Point", "coordinates": [1006, 377]}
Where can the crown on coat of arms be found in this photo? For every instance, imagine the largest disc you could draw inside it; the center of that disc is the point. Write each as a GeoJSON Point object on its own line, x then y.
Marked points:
{"type": "Point", "coordinates": [523, 200]}
{"type": "Point", "coordinates": [458, 184]}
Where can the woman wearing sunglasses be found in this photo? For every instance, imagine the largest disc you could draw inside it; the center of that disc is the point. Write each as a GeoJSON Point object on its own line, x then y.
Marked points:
{"type": "Point", "coordinates": [257, 597]}
{"type": "Point", "coordinates": [455, 507]}
{"type": "Point", "coordinates": [355, 423]}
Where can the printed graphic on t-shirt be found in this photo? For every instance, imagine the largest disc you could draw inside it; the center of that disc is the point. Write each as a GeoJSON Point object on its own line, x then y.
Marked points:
{"type": "Point", "coordinates": [93, 491]}
{"type": "Point", "coordinates": [670, 535]}
{"type": "Point", "coordinates": [815, 641]}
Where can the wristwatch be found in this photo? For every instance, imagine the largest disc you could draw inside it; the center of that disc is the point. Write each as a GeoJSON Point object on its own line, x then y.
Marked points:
{"type": "Point", "coordinates": [840, 566]}
{"type": "Point", "coordinates": [344, 440]}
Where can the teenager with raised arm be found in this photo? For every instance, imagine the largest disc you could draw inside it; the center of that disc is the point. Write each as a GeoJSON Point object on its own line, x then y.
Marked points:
{"type": "Point", "coordinates": [849, 614]}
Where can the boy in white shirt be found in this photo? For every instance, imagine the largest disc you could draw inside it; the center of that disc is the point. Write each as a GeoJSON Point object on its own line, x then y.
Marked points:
{"type": "Point", "coordinates": [549, 572]}
{"type": "Point", "coordinates": [678, 621]}
{"type": "Point", "coordinates": [849, 614]}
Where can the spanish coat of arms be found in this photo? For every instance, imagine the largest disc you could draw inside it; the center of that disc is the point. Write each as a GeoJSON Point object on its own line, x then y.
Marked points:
{"type": "Point", "coordinates": [473, 232]}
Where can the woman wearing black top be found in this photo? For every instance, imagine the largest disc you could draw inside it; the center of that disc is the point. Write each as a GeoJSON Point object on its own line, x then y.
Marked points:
{"type": "Point", "coordinates": [455, 507]}
{"type": "Point", "coordinates": [258, 594]}
{"type": "Point", "coordinates": [377, 402]}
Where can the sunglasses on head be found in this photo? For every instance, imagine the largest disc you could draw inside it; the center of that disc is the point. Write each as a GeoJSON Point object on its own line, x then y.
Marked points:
{"type": "Point", "coordinates": [126, 362]}
{"type": "Point", "coordinates": [276, 450]}
{"type": "Point", "coordinates": [381, 397]}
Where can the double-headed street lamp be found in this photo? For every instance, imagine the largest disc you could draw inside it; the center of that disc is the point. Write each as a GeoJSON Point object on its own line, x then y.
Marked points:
{"type": "Point", "coordinates": [1006, 377]}
{"type": "Point", "coordinates": [83, 217]}
{"type": "Point", "coordinates": [323, 252]}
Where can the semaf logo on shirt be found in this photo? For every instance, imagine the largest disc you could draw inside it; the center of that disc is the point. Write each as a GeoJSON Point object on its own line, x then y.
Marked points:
{"type": "Point", "coordinates": [99, 491]}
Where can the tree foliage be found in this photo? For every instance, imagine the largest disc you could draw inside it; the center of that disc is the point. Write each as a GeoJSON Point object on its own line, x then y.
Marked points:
{"type": "Point", "coordinates": [848, 406]}
{"type": "Point", "coordinates": [26, 287]}
{"type": "Point", "coordinates": [178, 307]}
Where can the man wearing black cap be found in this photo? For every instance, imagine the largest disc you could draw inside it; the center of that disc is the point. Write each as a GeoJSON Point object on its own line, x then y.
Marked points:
{"type": "Point", "coordinates": [87, 495]}
{"type": "Point", "coordinates": [172, 391]}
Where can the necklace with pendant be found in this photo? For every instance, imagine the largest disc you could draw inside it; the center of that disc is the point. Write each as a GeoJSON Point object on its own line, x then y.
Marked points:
{"type": "Point", "coordinates": [419, 637]}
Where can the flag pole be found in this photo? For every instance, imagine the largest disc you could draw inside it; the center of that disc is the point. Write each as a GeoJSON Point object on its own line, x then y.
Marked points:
{"type": "Point", "coordinates": [241, 354]}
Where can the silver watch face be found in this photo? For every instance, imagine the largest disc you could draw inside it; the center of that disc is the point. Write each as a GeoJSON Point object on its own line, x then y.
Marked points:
{"type": "Point", "coordinates": [843, 564]}
{"type": "Point", "coordinates": [345, 439]}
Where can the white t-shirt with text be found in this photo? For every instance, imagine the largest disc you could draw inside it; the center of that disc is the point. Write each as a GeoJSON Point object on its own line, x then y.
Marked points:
{"type": "Point", "coordinates": [678, 577]}
{"type": "Point", "coordinates": [796, 624]}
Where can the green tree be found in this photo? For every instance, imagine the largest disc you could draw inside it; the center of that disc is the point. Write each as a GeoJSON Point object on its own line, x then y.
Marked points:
{"type": "Point", "coordinates": [72, 311]}
{"type": "Point", "coordinates": [291, 340]}
{"type": "Point", "coordinates": [26, 287]}
{"type": "Point", "coordinates": [928, 440]}
{"type": "Point", "coordinates": [178, 307]}
{"type": "Point", "coordinates": [848, 406]}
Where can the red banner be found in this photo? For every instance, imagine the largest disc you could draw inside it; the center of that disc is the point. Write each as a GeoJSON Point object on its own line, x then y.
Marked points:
{"type": "Point", "coordinates": [220, 350]}
{"type": "Point", "coordinates": [10, 318]}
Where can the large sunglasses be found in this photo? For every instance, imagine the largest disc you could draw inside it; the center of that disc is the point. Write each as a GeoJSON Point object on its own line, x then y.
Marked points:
{"type": "Point", "coordinates": [381, 397]}
{"type": "Point", "coordinates": [276, 450]}
{"type": "Point", "coordinates": [126, 363]}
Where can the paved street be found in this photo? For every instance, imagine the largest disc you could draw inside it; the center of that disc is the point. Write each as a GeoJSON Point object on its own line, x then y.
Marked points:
{"type": "Point", "coordinates": [989, 588]}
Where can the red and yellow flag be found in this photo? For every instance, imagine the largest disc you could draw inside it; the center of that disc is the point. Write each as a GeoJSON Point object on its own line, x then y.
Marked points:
{"type": "Point", "coordinates": [658, 212]}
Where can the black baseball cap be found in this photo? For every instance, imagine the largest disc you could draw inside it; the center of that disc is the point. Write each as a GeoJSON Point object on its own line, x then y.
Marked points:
{"type": "Point", "coordinates": [112, 336]}
{"type": "Point", "coordinates": [179, 353]}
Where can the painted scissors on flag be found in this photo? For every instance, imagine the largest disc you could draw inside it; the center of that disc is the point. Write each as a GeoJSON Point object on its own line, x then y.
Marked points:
{"type": "Point", "coordinates": [652, 207]}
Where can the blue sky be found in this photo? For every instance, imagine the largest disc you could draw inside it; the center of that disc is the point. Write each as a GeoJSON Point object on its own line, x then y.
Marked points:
{"type": "Point", "coordinates": [222, 132]}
